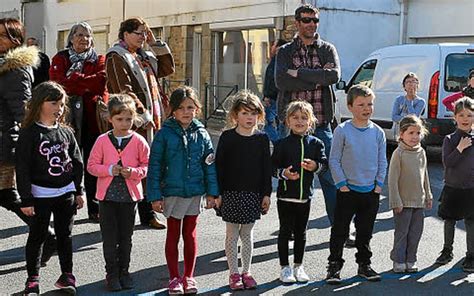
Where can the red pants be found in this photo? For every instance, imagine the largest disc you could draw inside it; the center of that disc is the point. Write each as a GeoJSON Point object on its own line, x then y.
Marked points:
{"type": "Point", "coordinates": [190, 245]}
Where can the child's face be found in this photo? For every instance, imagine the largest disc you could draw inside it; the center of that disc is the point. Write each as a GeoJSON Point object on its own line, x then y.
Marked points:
{"type": "Point", "coordinates": [51, 111]}
{"type": "Point", "coordinates": [298, 122]}
{"type": "Point", "coordinates": [464, 120]}
{"type": "Point", "coordinates": [412, 136]}
{"type": "Point", "coordinates": [185, 113]}
{"type": "Point", "coordinates": [122, 123]}
{"type": "Point", "coordinates": [362, 108]}
{"type": "Point", "coordinates": [247, 119]}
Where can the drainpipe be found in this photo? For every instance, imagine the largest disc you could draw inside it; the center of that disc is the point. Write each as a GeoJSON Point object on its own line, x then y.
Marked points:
{"type": "Point", "coordinates": [402, 22]}
{"type": "Point", "coordinates": [123, 10]}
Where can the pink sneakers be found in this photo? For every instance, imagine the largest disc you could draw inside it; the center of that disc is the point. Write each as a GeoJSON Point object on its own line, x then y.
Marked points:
{"type": "Point", "coordinates": [235, 282]}
{"type": "Point", "coordinates": [249, 281]}
{"type": "Point", "coordinates": [190, 286]}
{"type": "Point", "coordinates": [175, 287]}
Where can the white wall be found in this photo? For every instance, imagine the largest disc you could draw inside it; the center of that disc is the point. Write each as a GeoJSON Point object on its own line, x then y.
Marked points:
{"type": "Point", "coordinates": [10, 8]}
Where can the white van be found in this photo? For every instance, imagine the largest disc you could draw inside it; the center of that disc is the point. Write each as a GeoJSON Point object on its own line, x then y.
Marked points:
{"type": "Point", "coordinates": [442, 69]}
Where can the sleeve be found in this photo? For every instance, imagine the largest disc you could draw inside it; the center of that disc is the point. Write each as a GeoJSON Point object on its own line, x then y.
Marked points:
{"type": "Point", "coordinates": [276, 159]}
{"type": "Point", "coordinates": [267, 167]}
{"type": "Point", "coordinates": [394, 198]}
{"type": "Point", "coordinates": [449, 101]}
{"type": "Point", "coordinates": [335, 158]}
{"type": "Point", "coordinates": [320, 158]}
{"type": "Point", "coordinates": [283, 80]}
{"type": "Point", "coordinates": [23, 163]}
{"type": "Point", "coordinates": [166, 65]}
{"type": "Point", "coordinates": [426, 184]}
{"type": "Point", "coordinates": [381, 159]}
{"type": "Point", "coordinates": [450, 154]}
{"type": "Point", "coordinates": [143, 150]}
{"type": "Point", "coordinates": [396, 115]}
{"type": "Point", "coordinates": [209, 167]}
{"type": "Point", "coordinates": [77, 163]}
{"type": "Point", "coordinates": [416, 107]}
{"type": "Point", "coordinates": [155, 168]}
{"type": "Point", "coordinates": [220, 160]}
{"type": "Point", "coordinates": [118, 80]}
{"type": "Point", "coordinates": [269, 88]}
{"type": "Point", "coordinates": [321, 76]}
{"type": "Point", "coordinates": [18, 92]}
{"type": "Point", "coordinates": [95, 164]}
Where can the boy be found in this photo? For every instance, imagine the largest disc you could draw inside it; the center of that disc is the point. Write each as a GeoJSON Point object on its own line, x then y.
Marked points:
{"type": "Point", "coordinates": [358, 165]}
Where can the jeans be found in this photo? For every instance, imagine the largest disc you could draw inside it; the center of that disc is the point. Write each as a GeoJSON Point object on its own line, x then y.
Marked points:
{"type": "Point", "coordinates": [271, 124]}
{"type": "Point", "coordinates": [324, 133]}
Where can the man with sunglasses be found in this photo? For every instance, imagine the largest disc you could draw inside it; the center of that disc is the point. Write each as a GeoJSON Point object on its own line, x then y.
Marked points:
{"type": "Point", "coordinates": [305, 70]}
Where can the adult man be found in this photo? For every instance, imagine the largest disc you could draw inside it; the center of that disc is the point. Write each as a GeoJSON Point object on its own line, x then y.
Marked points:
{"type": "Point", "coordinates": [305, 70]}
{"type": "Point", "coordinates": [41, 72]}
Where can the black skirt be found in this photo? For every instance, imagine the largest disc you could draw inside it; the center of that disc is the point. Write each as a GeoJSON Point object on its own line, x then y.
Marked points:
{"type": "Point", "coordinates": [456, 204]}
{"type": "Point", "coordinates": [240, 207]}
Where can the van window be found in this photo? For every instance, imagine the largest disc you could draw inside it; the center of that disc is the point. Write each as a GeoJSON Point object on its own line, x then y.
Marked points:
{"type": "Point", "coordinates": [365, 74]}
{"type": "Point", "coordinates": [458, 66]}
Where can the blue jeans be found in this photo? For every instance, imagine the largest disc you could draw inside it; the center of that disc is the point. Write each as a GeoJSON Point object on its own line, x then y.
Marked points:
{"type": "Point", "coordinates": [324, 133]}
{"type": "Point", "coordinates": [271, 124]}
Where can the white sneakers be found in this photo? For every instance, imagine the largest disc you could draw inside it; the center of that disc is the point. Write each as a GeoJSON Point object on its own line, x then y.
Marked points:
{"type": "Point", "coordinates": [399, 267]}
{"type": "Point", "coordinates": [289, 275]}
{"type": "Point", "coordinates": [411, 267]}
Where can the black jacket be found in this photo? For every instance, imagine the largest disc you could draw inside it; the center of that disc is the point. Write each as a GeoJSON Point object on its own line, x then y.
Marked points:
{"type": "Point", "coordinates": [291, 151]}
{"type": "Point", "coordinates": [16, 76]}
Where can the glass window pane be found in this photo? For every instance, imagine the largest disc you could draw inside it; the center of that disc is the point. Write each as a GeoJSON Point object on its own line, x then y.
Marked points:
{"type": "Point", "coordinates": [457, 71]}
{"type": "Point", "coordinates": [259, 43]}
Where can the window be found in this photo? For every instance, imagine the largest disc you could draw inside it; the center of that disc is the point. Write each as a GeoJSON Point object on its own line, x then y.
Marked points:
{"type": "Point", "coordinates": [457, 66]}
{"type": "Point", "coordinates": [365, 74]}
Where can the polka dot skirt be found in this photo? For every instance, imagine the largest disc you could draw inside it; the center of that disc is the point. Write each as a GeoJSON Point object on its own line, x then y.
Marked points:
{"type": "Point", "coordinates": [241, 207]}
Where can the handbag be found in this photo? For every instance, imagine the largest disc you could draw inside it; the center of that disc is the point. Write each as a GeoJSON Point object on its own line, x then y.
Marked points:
{"type": "Point", "coordinates": [102, 115]}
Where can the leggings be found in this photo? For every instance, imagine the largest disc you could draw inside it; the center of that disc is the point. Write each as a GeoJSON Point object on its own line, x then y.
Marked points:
{"type": "Point", "coordinates": [233, 232]}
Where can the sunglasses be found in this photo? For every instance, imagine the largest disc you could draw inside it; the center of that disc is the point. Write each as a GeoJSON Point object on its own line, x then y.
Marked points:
{"type": "Point", "coordinates": [307, 20]}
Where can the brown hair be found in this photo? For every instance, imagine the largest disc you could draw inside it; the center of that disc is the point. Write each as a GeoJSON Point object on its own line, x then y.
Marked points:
{"type": "Point", "coordinates": [358, 90]}
{"type": "Point", "coordinates": [463, 103]}
{"type": "Point", "coordinates": [130, 25]}
{"type": "Point", "coordinates": [412, 120]}
{"type": "Point", "coordinates": [305, 108]}
{"type": "Point", "coordinates": [179, 95]}
{"type": "Point", "coordinates": [119, 103]}
{"type": "Point", "coordinates": [15, 30]}
{"type": "Point", "coordinates": [409, 75]}
{"type": "Point", "coordinates": [245, 99]}
{"type": "Point", "coordinates": [305, 8]}
{"type": "Point", "coordinates": [48, 91]}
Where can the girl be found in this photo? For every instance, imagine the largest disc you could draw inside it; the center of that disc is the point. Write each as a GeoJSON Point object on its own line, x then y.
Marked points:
{"type": "Point", "coordinates": [457, 200]}
{"type": "Point", "coordinates": [181, 171]}
{"type": "Point", "coordinates": [297, 157]}
{"type": "Point", "coordinates": [49, 174]}
{"type": "Point", "coordinates": [409, 193]}
{"type": "Point", "coordinates": [245, 181]}
{"type": "Point", "coordinates": [410, 103]}
{"type": "Point", "coordinates": [119, 159]}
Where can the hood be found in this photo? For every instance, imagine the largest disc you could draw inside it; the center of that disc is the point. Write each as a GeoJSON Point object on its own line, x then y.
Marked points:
{"type": "Point", "coordinates": [19, 57]}
{"type": "Point", "coordinates": [174, 125]}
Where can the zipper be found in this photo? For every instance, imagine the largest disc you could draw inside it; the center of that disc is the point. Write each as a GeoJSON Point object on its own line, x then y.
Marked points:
{"type": "Point", "coordinates": [301, 168]}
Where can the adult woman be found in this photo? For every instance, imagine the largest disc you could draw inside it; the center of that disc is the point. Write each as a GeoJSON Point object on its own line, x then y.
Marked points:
{"type": "Point", "coordinates": [16, 76]}
{"type": "Point", "coordinates": [81, 71]}
{"type": "Point", "coordinates": [133, 70]}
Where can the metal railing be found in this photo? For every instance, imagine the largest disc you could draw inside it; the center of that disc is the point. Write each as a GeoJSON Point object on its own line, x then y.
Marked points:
{"type": "Point", "coordinates": [166, 84]}
{"type": "Point", "coordinates": [213, 102]}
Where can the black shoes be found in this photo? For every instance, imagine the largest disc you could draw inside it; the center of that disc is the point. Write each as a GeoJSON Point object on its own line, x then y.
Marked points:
{"type": "Point", "coordinates": [445, 257]}
{"type": "Point", "coordinates": [112, 282]}
{"type": "Point", "coordinates": [368, 273]}
{"type": "Point", "coordinates": [334, 273]}
{"type": "Point", "coordinates": [126, 280]}
{"type": "Point", "coordinates": [468, 264]}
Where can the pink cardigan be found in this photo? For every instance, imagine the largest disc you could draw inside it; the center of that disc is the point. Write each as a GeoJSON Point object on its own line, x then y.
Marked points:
{"type": "Point", "coordinates": [449, 101]}
{"type": "Point", "coordinates": [135, 156]}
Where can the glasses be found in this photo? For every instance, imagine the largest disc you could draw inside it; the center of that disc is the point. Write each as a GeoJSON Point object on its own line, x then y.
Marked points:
{"type": "Point", "coordinates": [143, 34]}
{"type": "Point", "coordinates": [307, 20]}
{"type": "Point", "coordinates": [86, 36]}
{"type": "Point", "coordinates": [412, 82]}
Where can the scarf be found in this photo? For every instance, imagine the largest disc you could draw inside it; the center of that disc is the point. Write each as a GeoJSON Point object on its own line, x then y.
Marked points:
{"type": "Point", "coordinates": [78, 59]}
{"type": "Point", "coordinates": [468, 91]}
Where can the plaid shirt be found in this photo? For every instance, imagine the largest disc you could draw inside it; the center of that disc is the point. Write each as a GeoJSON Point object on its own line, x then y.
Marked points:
{"type": "Point", "coordinates": [307, 57]}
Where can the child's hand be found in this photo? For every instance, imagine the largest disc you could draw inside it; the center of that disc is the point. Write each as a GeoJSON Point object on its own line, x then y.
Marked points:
{"type": "Point", "coordinates": [289, 175]}
{"type": "Point", "coordinates": [116, 170]}
{"type": "Point", "coordinates": [429, 204]}
{"type": "Point", "coordinates": [28, 211]}
{"type": "Point", "coordinates": [218, 202]}
{"type": "Point", "coordinates": [79, 201]}
{"type": "Point", "coordinates": [378, 189]}
{"type": "Point", "coordinates": [265, 204]}
{"type": "Point", "coordinates": [328, 66]}
{"type": "Point", "coordinates": [397, 210]}
{"type": "Point", "coordinates": [157, 206]}
{"type": "Point", "coordinates": [344, 189]}
{"type": "Point", "coordinates": [309, 165]}
{"type": "Point", "coordinates": [210, 202]}
{"type": "Point", "coordinates": [126, 172]}
{"type": "Point", "coordinates": [464, 143]}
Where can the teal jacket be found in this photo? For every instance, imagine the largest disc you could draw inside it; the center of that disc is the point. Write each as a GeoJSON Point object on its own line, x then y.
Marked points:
{"type": "Point", "coordinates": [181, 162]}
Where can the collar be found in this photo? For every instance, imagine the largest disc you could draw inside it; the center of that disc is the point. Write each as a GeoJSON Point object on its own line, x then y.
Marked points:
{"type": "Point", "coordinates": [404, 146]}
{"type": "Point", "coordinates": [299, 42]}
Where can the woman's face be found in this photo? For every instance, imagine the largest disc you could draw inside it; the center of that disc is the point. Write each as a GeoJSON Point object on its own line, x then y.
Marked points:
{"type": "Point", "coordinates": [5, 43]}
{"type": "Point", "coordinates": [81, 40]}
{"type": "Point", "coordinates": [135, 39]}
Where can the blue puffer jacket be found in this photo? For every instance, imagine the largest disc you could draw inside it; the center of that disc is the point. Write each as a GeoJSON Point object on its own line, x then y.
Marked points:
{"type": "Point", "coordinates": [181, 162]}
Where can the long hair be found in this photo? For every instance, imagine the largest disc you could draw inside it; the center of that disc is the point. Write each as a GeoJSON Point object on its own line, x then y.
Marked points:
{"type": "Point", "coordinates": [48, 91]}
{"type": "Point", "coordinates": [15, 30]}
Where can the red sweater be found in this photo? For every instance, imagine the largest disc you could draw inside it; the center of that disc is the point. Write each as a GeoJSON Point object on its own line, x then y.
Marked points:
{"type": "Point", "coordinates": [90, 84]}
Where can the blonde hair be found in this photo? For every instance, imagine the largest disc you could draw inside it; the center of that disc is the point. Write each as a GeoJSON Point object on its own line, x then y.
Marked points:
{"type": "Point", "coordinates": [305, 108]}
{"type": "Point", "coordinates": [245, 99]}
{"type": "Point", "coordinates": [119, 103]}
{"type": "Point", "coordinates": [412, 120]}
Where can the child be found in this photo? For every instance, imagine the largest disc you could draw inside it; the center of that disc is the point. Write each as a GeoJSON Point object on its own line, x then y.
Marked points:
{"type": "Point", "coordinates": [245, 181]}
{"type": "Point", "coordinates": [297, 157]}
{"type": "Point", "coordinates": [410, 103]}
{"type": "Point", "coordinates": [457, 200]}
{"type": "Point", "coordinates": [409, 193]}
{"type": "Point", "coordinates": [119, 159]}
{"type": "Point", "coordinates": [358, 165]}
{"type": "Point", "coordinates": [180, 172]}
{"type": "Point", "coordinates": [49, 172]}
